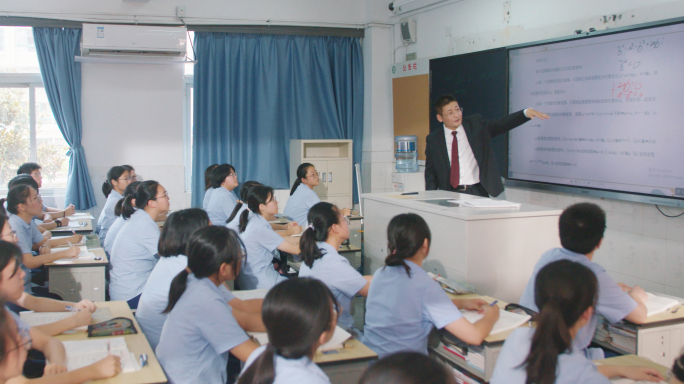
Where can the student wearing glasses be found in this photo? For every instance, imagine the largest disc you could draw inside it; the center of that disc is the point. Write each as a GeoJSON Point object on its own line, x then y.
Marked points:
{"type": "Point", "coordinates": [222, 200]}
{"type": "Point", "coordinates": [33, 170]}
{"type": "Point", "coordinates": [48, 223]}
{"type": "Point", "coordinates": [302, 196]}
{"type": "Point", "coordinates": [134, 253]}
{"type": "Point", "coordinates": [24, 203]}
{"type": "Point", "coordinates": [113, 188]}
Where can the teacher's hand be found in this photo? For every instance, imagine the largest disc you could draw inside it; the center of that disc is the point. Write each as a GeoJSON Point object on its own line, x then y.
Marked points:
{"type": "Point", "coordinates": [531, 114]}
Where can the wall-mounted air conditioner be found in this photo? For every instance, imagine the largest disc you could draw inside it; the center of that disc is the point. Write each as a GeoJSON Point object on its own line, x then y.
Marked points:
{"type": "Point", "coordinates": [133, 44]}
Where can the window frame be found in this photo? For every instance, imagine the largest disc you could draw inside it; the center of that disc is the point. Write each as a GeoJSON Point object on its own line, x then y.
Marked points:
{"type": "Point", "coordinates": [188, 81]}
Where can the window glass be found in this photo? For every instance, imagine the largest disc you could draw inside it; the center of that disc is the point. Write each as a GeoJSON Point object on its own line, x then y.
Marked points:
{"type": "Point", "coordinates": [52, 148]}
{"type": "Point", "coordinates": [18, 51]}
{"type": "Point", "coordinates": [14, 132]}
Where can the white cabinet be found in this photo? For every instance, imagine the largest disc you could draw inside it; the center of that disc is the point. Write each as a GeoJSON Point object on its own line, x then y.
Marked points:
{"type": "Point", "coordinates": [333, 161]}
{"type": "Point", "coordinates": [78, 283]}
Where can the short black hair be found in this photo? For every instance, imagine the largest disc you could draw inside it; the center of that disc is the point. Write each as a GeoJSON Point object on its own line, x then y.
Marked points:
{"type": "Point", "coordinates": [22, 179]}
{"type": "Point", "coordinates": [442, 101]}
{"type": "Point", "coordinates": [178, 228]}
{"type": "Point", "coordinates": [407, 368]}
{"type": "Point", "coordinates": [219, 174]}
{"type": "Point", "coordinates": [581, 227]}
{"type": "Point", "coordinates": [28, 168]}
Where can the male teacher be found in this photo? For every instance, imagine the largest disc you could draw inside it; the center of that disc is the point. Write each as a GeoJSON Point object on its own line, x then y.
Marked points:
{"type": "Point", "coordinates": [460, 158]}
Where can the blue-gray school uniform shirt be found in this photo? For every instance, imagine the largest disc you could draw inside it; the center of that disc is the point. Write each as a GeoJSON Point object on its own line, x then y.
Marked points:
{"type": "Point", "coordinates": [107, 216]}
{"type": "Point", "coordinates": [27, 235]}
{"type": "Point", "coordinates": [343, 280]}
{"type": "Point", "coordinates": [220, 205]}
{"type": "Point", "coordinates": [198, 334]}
{"type": "Point", "coordinates": [134, 255]}
{"type": "Point", "coordinates": [613, 303]}
{"type": "Point", "coordinates": [207, 195]}
{"type": "Point", "coordinates": [260, 242]}
{"type": "Point", "coordinates": [22, 327]}
{"type": "Point", "coordinates": [292, 371]}
{"type": "Point", "coordinates": [573, 366]}
{"type": "Point", "coordinates": [155, 296]}
{"type": "Point", "coordinates": [113, 231]}
{"type": "Point", "coordinates": [401, 310]}
{"type": "Point", "coordinates": [299, 204]}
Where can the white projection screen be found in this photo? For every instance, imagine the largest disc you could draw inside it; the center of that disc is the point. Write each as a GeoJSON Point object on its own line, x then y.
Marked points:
{"type": "Point", "coordinates": [616, 103]}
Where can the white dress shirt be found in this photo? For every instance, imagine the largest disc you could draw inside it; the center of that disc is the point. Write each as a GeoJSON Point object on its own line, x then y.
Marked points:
{"type": "Point", "coordinates": [468, 168]}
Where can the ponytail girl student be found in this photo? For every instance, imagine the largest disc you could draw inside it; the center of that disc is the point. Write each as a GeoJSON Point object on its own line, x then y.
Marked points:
{"type": "Point", "coordinates": [24, 203]}
{"type": "Point", "coordinates": [172, 250]}
{"type": "Point", "coordinates": [319, 244]}
{"type": "Point", "coordinates": [207, 185]}
{"type": "Point", "coordinates": [300, 315]}
{"type": "Point", "coordinates": [12, 288]}
{"type": "Point", "coordinates": [117, 180]}
{"type": "Point", "coordinates": [222, 200]}
{"type": "Point", "coordinates": [404, 302]}
{"type": "Point", "coordinates": [261, 240]}
{"type": "Point", "coordinates": [302, 196]}
{"type": "Point", "coordinates": [566, 294]}
{"type": "Point", "coordinates": [119, 222]}
{"type": "Point", "coordinates": [200, 328]}
{"type": "Point", "coordinates": [234, 219]}
{"type": "Point", "coordinates": [134, 252]}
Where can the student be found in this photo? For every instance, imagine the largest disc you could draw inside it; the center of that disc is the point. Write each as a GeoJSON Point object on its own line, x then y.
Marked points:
{"type": "Point", "coordinates": [234, 219]}
{"type": "Point", "coordinates": [117, 180]}
{"type": "Point", "coordinates": [119, 222]}
{"type": "Point", "coordinates": [302, 196]}
{"type": "Point", "coordinates": [17, 338]}
{"type": "Point", "coordinates": [319, 245]}
{"type": "Point", "coordinates": [47, 222]}
{"type": "Point", "coordinates": [566, 294]}
{"type": "Point", "coordinates": [207, 185]}
{"type": "Point", "coordinates": [407, 368]}
{"type": "Point", "coordinates": [172, 249]}
{"type": "Point", "coordinates": [12, 288]}
{"type": "Point", "coordinates": [261, 240]}
{"type": "Point", "coordinates": [677, 376]}
{"type": "Point", "coordinates": [134, 252]}
{"type": "Point", "coordinates": [300, 315]}
{"type": "Point", "coordinates": [200, 328]}
{"type": "Point", "coordinates": [23, 202]}
{"type": "Point", "coordinates": [132, 176]}
{"type": "Point", "coordinates": [404, 302]}
{"type": "Point", "coordinates": [222, 200]}
{"type": "Point", "coordinates": [33, 170]}
{"type": "Point", "coordinates": [581, 228]}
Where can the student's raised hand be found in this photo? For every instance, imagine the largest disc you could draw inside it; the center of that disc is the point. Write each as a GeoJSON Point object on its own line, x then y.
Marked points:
{"type": "Point", "coordinates": [82, 318]}
{"type": "Point", "coordinates": [637, 293]}
{"type": "Point", "coordinates": [110, 366]}
{"type": "Point", "coordinates": [54, 369]}
{"type": "Point", "coordinates": [75, 238]}
{"type": "Point", "coordinates": [641, 374]}
{"type": "Point", "coordinates": [87, 305]}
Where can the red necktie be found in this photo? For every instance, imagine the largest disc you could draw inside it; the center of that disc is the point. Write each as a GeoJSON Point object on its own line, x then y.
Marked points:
{"type": "Point", "coordinates": [455, 171]}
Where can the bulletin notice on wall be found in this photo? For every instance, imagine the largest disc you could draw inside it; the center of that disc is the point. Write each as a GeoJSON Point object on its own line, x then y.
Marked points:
{"type": "Point", "coordinates": [617, 112]}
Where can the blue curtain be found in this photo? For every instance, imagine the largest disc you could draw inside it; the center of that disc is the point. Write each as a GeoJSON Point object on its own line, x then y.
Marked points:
{"type": "Point", "coordinates": [56, 48]}
{"type": "Point", "coordinates": [253, 93]}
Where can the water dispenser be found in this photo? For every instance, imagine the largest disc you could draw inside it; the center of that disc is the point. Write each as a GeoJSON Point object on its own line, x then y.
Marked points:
{"type": "Point", "coordinates": [406, 153]}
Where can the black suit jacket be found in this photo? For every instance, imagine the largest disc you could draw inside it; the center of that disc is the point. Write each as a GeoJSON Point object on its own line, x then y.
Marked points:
{"type": "Point", "coordinates": [479, 132]}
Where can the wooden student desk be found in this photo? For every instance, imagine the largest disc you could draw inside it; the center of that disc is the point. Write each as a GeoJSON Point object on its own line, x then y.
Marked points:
{"type": "Point", "coordinates": [632, 361]}
{"type": "Point", "coordinates": [492, 345]}
{"type": "Point", "coordinates": [660, 338]}
{"type": "Point", "coordinates": [79, 279]}
{"type": "Point", "coordinates": [345, 366]}
{"type": "Point", "coordinates": [137, 344]}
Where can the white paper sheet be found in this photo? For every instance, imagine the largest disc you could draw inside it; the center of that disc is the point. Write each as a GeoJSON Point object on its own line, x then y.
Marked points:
{"type": "Point", "coordinates": [41, 318]}
{"type": "Point", "coordinates": [336, 342]}
{"type": "Point", "coordinates": [507, 320]}
{"type": "Point", "coordinates": [251, 294]}
{"type": "Point", "coordinates": [82, 353]}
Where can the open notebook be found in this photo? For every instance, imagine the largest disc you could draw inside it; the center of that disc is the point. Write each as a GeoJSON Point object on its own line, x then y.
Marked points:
{"type": "Point", "coordinates": [659, 303]}
{"type": "Point", "coordinates": [507, 320]}
{"type": "Point", "coordinates": [41, 318]}
{"type": "Point", "coordinates": [336, 342]}
{"type": "Point", "coordinates": [81, 353]}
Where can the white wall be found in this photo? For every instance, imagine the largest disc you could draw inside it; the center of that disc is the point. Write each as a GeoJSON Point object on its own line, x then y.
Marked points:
{"type": "Point", "coordinates": [133, 114]}
{"type": "Point", "coordinates": [641, 246]}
